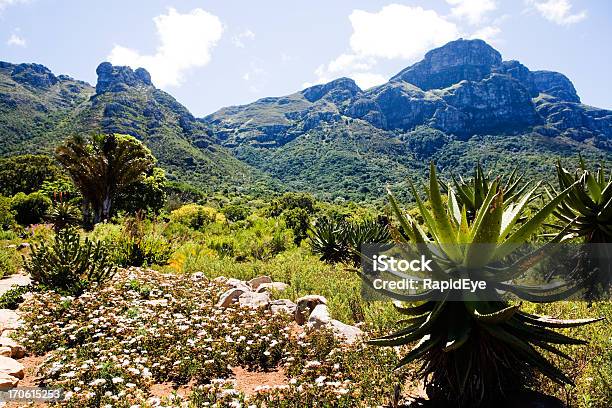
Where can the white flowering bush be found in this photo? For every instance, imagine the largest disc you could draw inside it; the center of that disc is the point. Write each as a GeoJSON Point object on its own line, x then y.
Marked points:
{"type": "Point", "coordinates": [109, 346]}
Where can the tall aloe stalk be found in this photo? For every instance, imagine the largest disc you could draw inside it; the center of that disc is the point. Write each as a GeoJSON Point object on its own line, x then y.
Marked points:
{"type": "Point", "coordinates": [474, 351]}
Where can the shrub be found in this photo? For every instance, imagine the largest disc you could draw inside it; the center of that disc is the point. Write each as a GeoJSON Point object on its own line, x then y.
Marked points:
{"type": "Point", "coordinates": [7, 215]}
{"type": "Point", "coordinates": [196, 216]}
{"type": "Point", "coordinates": [30, 208]}
{"type": "Point", "coordinates": [69, 265]}
{"type": "Point", "coordinates": [9, 261]}
{"type": "Point", "coordinates": [13, 297]}
{"type": "Point", "coordinates": [298, 219]}
{"type": "Point", "coordinates": [236, 212]}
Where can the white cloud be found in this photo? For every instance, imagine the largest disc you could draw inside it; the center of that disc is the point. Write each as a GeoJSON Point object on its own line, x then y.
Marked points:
{"type": "Point", "coordinates": [16, 41]}
{"type": "Point", "coordinates": [5, 3]}
{"type": "Point", "coordinates": [558, 11]}
{"type": "Point", "coordinates": [472, 10]}
{"type": "Point", "coordinates": [186, 41]}
{"type": "Point", "coordinates": [396, 31]}
{"type": "Point", "coordinates": [238, 40]}
{"type": "Point", "coordinates": [488, 33]}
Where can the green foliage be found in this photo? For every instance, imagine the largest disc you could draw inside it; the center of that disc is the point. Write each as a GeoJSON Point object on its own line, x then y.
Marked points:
{"type": "Point", "coordinates": [236, 212]}
{"type": "Point", "coordinates": [588, 206]}
{"type": "Point", "coordinates": [63, 214]}
{"type": "Point", "coordinates": [339, 240]}
{"type": "Point", "coordinates": [68, 265]}
{"type": "Point", "coordinates": [457, 339]}
{"type": "Point", "coordinates": [137, 242]}
{"type": "Point", "coordinates": [298, 219]}
{"type": "Point", "coordinates": [13, 297]}
{"type": "Point", "coordinates": [103, 166]}
{"type": "Point", "coordinates": [196, 216]}
{"type": "Point", "coordinates": [10, 261]}
{"type": "Point", "coordinates": [7, 215]}
{"type": "Point", "coordinates": [30, 208]}
{"type": "Point", "coordinates": [26, 173]}
{"type": "Point", "coordinates": [147, 194]}
{"type": "Point", "coordinates": [290, 201]}
{"type": "Point", "coordinates": [472, 193]}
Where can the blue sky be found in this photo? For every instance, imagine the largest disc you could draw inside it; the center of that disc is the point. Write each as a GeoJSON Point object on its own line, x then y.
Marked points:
{"type": "Point", "coordinates": [210, 54]}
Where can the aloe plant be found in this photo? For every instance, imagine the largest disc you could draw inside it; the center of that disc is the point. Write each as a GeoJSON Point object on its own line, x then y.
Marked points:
{"type": "Point", "coordinates": [339, 240]}
{"type": "Point", "coordinates": [472, 192]}
{"type": "Point", "coordinates": [474, 351]}
{"type": "Point", "coordinates": [589, 203]}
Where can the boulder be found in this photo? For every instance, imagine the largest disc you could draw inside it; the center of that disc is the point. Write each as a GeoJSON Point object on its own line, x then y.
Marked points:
{"type": "Point", "coordinates": [9, 319]}
{"type": "Point", "coordinates": [319, 316]}
{"type": "Point", "coordinates": [6, 352]}
{"type": "Point", "coordinates": [229, 296]}
{"type": "Point", "coordinates": [305, 305]}
{"type": "Point", "coordinates": [11, 367]}
{"type": "Point", "coordinates": [254, 300]}
{"type": "Point", "coordinates": [197, 276]}
{"type": "Point", "coordinates": [238, 284]}
{"type": "Point", "coordinates": [7, 382]}
{"type": "Point", "coordinates": [272, 286]}
{"type": "Point", "coordinates": [220, 279]}
{"type": "Point", "coordinates": [255, 283]}
{"type": "Point", "coordinates": [348, 333]}
{"type": "Point", "coordinates": [283, 305]}
{"type": "Point", "coordinates": [17, 350]}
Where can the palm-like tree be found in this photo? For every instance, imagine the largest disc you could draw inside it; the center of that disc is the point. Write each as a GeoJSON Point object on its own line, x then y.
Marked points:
{"type": "Point", "coordinates": [102, 166]}
{"type": "Point", "coordinates": [475, 350]}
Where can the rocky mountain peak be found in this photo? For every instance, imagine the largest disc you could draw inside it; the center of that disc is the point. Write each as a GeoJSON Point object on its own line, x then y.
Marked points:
{"type": "Point", "coordinates": [113, 78]}
{"type": "Point", "coordinates": [454, 62]}
{"type": "Point", "coordinates": [337, 90]}
{"type": "Point", "coordinates": [35, 75]}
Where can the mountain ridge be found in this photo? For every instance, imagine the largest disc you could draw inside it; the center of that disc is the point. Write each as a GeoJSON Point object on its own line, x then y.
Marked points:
{"type": "Point", "coordinates": [461, 103]}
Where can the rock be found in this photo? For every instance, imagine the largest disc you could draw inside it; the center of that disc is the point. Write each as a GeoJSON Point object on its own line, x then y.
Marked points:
{"type": "Point", "coordinates": [238, 284]}
{"type": "Point", "coordinates": [35, 75]}
{"type": "Point", "coordinates": [220, 279]}
{"type": "Point", "coordinates": [229, 296]}
{"type": "Point", "coordinates": [305, 306]}
{"type": "Point", "coordinates": [555, 84]}
{"type": "Point", "coordinates": [283, 305]}
{"type": "Point", "coordinates": [6, 352]}
{"type": "Point", "coordinates": [319, 316]}
{"type": "Point", "coordinates": [349, 333]}
{"type": "Point", "coordinates": [459, 60]}
{"type": "Point", "coordinates": [272, 286]}
{"type": "Point", "coordinates": [117, 78]}
{"type": "Point", "coordinates": [254, 300]}
{"type": "Point", "coordinates": [11, 367]}
{"type": "Point", "coordinates": [197, 276]}
{"type": "Point", "coordinates": [336, 91]}
{"type": "Point", "coordinates": [256, 282]}
{"type": "Point", "coordinates": [17, 350]}
{"type": "Point", "coordinates": [7, 382]}
{"type": "Point", "coordinates": [9, 319]}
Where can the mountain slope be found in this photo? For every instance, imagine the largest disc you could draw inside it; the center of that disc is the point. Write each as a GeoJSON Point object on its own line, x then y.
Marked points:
{"type": "Point", "coordinates": [33, 101]}
{"type": "Point", "coordinates": [41, 110]}
{"type": "Point", "coordinates": [460, 104]}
